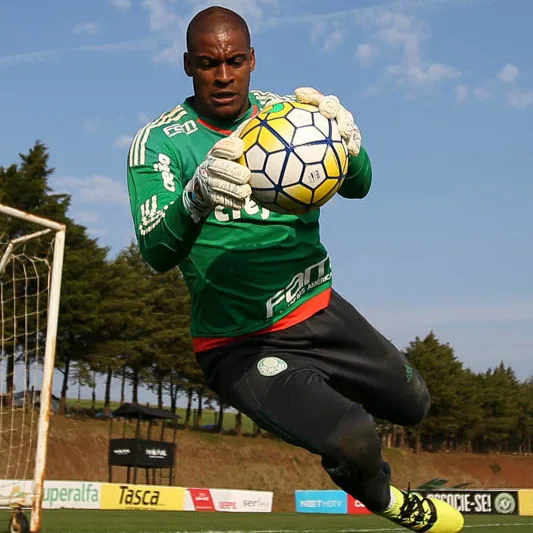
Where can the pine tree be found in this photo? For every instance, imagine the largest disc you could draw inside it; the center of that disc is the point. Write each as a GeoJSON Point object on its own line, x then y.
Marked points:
{"type": "Point", "coordinates": [25, 186]}
{"type": "Point", "coordinates": [441, 371]}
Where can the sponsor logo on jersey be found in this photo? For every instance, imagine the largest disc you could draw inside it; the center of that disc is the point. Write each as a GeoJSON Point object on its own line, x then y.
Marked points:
{"type": "Point", "coordinates": [176, 129]}
{"type": "Point", "coordinates": [224, 214]}
{"type": "Point", "coordinates": [300, 284]}
{"type": "Point", "coordinates": [163, 166]}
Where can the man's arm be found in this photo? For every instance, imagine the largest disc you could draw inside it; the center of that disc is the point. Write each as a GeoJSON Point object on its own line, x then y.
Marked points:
{"type": "Point", "coordinates": [359, 176]}
{"type": "Point", "coordinates": [165, 230]}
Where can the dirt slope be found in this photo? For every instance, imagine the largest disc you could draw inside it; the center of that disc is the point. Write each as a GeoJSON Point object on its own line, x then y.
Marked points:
{"type": "Point", "coordinates": [78, 451]}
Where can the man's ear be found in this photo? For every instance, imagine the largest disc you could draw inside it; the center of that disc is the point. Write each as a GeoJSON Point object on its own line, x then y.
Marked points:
{"type": "Point", "coordinates": [252, 59]}
{"type": "Point", "coordinates": [187, 67]}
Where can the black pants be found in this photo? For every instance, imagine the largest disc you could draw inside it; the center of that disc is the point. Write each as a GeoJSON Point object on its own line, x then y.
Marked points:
{"type": "Point", "coordinates": [318, 385]}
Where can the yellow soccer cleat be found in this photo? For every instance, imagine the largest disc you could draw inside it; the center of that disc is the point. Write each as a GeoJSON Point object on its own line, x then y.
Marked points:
{"type": "Point", "coordinates": [414, 511]}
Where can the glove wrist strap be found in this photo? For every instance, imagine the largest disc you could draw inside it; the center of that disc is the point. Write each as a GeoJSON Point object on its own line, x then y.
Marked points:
{"type": "Point", "coordinates": [196, 198]}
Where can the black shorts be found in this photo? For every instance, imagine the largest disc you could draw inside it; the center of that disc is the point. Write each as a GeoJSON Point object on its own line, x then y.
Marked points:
{"type": "Point", "coordinates": [298, 383]}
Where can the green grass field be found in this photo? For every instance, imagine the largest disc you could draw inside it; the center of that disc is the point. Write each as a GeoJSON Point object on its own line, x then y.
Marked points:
{"type": "Point", "coordinates": [71, 521]}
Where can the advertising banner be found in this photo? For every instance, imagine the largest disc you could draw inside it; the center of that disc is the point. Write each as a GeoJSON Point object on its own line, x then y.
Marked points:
{"type": "Point", "coordinates": [500, 502]}
{"type": "Point", "coordinates": [15, 491]}
{"type": "Point", "coordinates": [201, 500]}
{"type": "Point", "coordinates": [479, 501]}
{"type": "Point", "coordinates": [242, 501]}
{"type": "Point", "coordinates": [141, 497]}
{"type": "Point", "coordinates": [525, 502]}
{"type": "Point", "coordinates": [71, 495]}
{"type": "Point", "coordinates": [228, 500]}
{"type": "Point", "coordinates": [321, 501]}
{"type": "Point", "coordinates": [57, 494]}
{"type": "Point", "coordinates": [356, 507]}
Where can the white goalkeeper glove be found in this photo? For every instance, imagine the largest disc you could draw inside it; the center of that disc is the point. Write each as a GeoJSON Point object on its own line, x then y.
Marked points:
{"type": "Point", "coordinates": [331, 108]}
{"type": "Point", "coordinates": [218, 180]}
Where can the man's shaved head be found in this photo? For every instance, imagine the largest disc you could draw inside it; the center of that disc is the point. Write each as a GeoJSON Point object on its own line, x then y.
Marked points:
{"type": "Point", "coordinates": [215, 19]}
{"type": "Point", "coordinates": [219, 59]}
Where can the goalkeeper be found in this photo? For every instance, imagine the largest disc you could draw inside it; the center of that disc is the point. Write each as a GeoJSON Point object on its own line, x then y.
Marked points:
{"type": "Point", "coordinates": [274, 339]}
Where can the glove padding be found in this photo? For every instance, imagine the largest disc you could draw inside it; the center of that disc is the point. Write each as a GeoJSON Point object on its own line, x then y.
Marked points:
{"type": "Point", "coordinates": [218, 180]}
{"type": "Point", "coordinates": [331, 108]}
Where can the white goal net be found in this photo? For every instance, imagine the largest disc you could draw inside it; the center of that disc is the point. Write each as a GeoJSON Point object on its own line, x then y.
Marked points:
{"type": "Point", "coordinates": [31, 259]}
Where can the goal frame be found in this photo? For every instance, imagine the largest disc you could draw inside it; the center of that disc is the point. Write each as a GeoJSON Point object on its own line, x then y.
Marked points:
{"type": "Point", "coordinates": [43, 423]}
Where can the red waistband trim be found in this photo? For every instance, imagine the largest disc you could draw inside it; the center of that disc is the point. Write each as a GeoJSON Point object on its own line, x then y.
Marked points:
{"type": "Point", "coordinates": [301, 313]}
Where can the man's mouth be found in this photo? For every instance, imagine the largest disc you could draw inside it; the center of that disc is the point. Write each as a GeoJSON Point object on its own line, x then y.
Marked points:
{"type": "Point", "coordinates": [223, 97]}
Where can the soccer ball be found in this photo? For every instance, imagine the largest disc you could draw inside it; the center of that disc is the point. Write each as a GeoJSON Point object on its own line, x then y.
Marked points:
{"type": "Point", "coordinates": [296, 155]}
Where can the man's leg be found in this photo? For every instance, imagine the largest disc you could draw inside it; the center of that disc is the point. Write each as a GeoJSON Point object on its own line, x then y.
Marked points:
{"type": "Point", "coordinates": [314, 385]}
{"type": "Point", "coordinates": [299, 406]}
{"type": "Point", "coordinates": [366, 367]}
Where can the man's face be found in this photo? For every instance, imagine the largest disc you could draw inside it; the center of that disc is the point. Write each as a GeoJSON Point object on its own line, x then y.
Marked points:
{"type": "Point", "coordinates": [220, 64]}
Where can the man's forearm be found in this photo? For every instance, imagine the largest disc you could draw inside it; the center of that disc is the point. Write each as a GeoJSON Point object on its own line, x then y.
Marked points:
{"type": "Point", "coordinates": [169, 240]}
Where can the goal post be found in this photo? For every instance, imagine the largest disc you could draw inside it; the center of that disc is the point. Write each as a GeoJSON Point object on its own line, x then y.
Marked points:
{"type": "Point", "coordinates": [31, 266]}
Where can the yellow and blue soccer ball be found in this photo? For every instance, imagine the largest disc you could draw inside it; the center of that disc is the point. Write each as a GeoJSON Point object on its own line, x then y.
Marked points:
{"type": "Point", "coordinates": [296, 155]}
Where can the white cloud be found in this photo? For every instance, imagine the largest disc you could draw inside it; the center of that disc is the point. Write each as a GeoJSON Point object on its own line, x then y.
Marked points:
{"type": "Point", "coordinates": [318, 29]}
{"type": "Point", "coordinates": [255, 12]}
{"type": "Point", "coordinates": [461, 92]}
{"type": "Point", "coordinates": [366, 53]}
{"type": "Point", "coordinates": [45, 55]}
{"type": "Point", "coordinates": [121, 5]}
{"type": "Point", "coordinates": [137, 45]}
{"type": "Point", "coordinates": [123, 141]}
{"type": "Point", "coordinates": [397, 32]}
{"type": "Point", "coordinates": [94, 189]}
{"type": "Point", "coordinates": [397, 29]}
{"type": "Point", "coordinates": [481, 94]}
{"type": "Point", "coordinates": [327, 37]}
{"type": "Point", "coordinates": [25, 58]}
{"type": "Point", "coordinates": [85, 217]}
{"type": "Point", "coordinates": [519, 99]}
{"type": "Point", "coordinates": [515, 98]}
{"type": "Point", "coordinates": [94, 232]}
{"type": "Point", "coordinates": [508, 73]}
{"type": "Point", "coordinates": [333, 40]}
{"type": "Point", "coordinates": [143, 118]}
{"type": "Point", "coordinates": [418, 74]}
{"type": "Point", "coordinates": [168, 21]}
{"type": "Point", "coordinates": [86, 28]}
{"type": "Point", "coordinates": [166, 24]}
{"type": "Point", "coordinates": [92, 124]}
{"type": "Point", "coordinates": [170, 54]}
{"type": "Point", "coordinates": [161, 15]}
{"type": "Point", "coordinates": [467, 314]}
{"type": "Point", "coordinates": [406, 34]}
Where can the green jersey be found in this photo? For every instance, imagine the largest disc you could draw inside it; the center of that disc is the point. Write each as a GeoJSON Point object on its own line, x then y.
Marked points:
{"type": "Point", "coordinates": [244, 269]}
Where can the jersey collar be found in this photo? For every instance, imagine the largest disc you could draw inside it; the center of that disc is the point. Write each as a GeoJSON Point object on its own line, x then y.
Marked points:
{"type": "Point", "coordinates": [224, 127]}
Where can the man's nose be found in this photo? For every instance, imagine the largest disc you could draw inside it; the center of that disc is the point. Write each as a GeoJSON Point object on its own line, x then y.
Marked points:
{"type": "Point", "coordinates": [224, 73]}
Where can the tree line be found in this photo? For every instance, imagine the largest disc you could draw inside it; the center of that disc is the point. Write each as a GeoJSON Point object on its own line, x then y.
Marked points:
{"type": "Point", "coordinates": [121, 319]}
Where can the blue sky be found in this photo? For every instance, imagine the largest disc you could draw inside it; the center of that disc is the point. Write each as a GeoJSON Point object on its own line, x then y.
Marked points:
{"type": "Point", "coordinates": [443, 94]}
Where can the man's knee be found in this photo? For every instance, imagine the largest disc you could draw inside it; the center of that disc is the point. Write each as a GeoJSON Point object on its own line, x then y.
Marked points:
{"type": "Point", "coordinates": [353, 460]}
{"type": "Point", "coordinates": [419, 405]}
{"type": "Point", "coordinates": [355, 441]}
